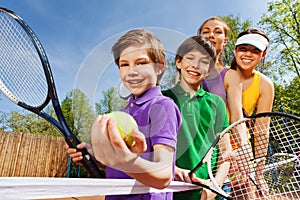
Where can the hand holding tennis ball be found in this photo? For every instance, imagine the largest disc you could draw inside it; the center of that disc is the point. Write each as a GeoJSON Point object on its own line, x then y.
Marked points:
{"type": "Point", "coordinates": [125, 124]}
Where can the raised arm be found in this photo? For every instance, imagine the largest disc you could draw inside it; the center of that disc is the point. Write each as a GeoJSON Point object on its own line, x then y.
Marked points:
{"type": "Point", "coordinates": [110, 149]}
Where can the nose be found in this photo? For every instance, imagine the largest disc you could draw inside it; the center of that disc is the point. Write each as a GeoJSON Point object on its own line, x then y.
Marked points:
{"type": "Point", "coordinates": [132, 70]}
{"type": "Point", "coordinates": [248, 53]}
{"type": "Point", "coordinates": [211, 35]}
{"type": "Point", "coordinates": [195, 64]}
{"type": "Point", "coordinates": [130, 67]}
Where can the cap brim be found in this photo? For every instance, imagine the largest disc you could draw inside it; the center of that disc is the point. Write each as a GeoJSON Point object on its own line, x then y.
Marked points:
{"type": "Point", "coordinates": [256, 44]}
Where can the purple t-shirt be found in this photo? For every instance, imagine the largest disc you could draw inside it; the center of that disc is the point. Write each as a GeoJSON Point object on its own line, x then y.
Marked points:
{"type": "Point", "coordinates": [158, 118]}
{"type": "Point", "coordinates": [216, 85]}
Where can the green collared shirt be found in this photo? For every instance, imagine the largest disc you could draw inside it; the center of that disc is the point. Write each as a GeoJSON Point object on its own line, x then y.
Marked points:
{"type": "Point", "coordinates": [203, 116]}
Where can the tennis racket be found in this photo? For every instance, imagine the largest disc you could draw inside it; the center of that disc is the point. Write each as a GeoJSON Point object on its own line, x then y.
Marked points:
{"type": "Point", "coordinates": [265, 167]}
{"type": "Point", "coordinates": [26, 78]}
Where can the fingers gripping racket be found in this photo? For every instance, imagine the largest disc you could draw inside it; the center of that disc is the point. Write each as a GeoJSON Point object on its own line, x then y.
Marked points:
{"type": "Point", "coordinates": [26, 78]}
{"type": "Point", "coordinates": [266, 167]}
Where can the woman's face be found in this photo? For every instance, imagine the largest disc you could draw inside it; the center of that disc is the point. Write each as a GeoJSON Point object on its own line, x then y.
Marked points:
{"type": "Point", "coordinates": [214, 30]}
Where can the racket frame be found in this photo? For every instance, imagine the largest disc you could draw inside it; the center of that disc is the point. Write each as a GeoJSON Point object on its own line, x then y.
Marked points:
{"type": "Point", "coordinates": [207, 157]}
{"type": "Point", "coordinates": [61, 125]}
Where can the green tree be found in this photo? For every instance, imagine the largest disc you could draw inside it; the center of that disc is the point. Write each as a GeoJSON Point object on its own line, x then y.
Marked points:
{"type": "Point", "coordinates": [28, 123]}
{"type": "Point", "coordinates": [80, 117]}
{"type": "Point", "coordinates": [109, 102]}
{"type": "Point", "coordinates": [287, 97]}
{"type": "Point", "coordinates": [282, 23]}
{"type": "Point", "coordinates": [79, 114]}
{"type": "Point", "coordinates": [236, 26]}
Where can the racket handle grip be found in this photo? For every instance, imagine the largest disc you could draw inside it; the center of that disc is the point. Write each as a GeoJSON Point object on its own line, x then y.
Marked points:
{"type": "Point", "coordinates": [87, 161]}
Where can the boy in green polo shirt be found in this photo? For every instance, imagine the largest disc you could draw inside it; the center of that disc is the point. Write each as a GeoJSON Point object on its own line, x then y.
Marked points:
{"type": "Point", "coordinates": [203, 115]}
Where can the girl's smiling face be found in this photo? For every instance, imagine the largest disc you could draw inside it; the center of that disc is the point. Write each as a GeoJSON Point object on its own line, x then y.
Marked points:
{"type": "Point", "coordinates": [137, 71]}
{"type": "Point", "coordinates": [248, 56]}
{"type": "Point", "coordinates": [194, 67]}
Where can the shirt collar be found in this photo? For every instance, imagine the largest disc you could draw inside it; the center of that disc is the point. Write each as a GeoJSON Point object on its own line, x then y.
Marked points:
{"type": "Point", "coordinates": [147, 96]}
{"type": "Point", "coordinates": [180, 91]}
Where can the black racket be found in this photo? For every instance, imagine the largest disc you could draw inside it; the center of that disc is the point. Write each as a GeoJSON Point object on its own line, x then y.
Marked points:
{"type": "Point", "coordinates": [266, 167]}
{"type": "Point", "coordinates": [26, 78]}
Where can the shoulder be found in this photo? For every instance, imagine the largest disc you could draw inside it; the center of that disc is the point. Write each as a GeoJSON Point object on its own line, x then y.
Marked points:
{"type": "Point", "coordinates": [165, 103]}
{"type": "Point", "coordinates": [232, 77]}
{"type": "Point", "coordinates": [163, 99]}
{"type": "Point", "coordinates": [266, 82]}
{"type": "Point", "coordinates": [232, 73]}
{"type": "Point", "coordinates": [214, 100]}
{"type": "Point", "coordinates": [172, 94]}
{"type": "Point", "coordinates": [165, 108]}
{"type": "Point", "coordinates": [216, 105]}
{"type": "Point", "coordinates": [167, 93]}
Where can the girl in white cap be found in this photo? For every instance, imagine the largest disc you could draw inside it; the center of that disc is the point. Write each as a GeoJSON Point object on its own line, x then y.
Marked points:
{"type": "Point", "coordinates": [224, 81]}
{"type": "Point", "coordinates": [258, 89]}
{"type": "Point", "coordinates": [258, 93]}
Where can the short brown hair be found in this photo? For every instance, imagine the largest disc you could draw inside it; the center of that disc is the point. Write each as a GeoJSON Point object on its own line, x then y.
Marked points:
{"type": "Point", "coordinates": [199, 43]}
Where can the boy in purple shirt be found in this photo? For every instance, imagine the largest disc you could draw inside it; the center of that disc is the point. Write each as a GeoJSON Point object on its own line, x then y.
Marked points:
{"type": "Point", "coordinates": [140, 57]}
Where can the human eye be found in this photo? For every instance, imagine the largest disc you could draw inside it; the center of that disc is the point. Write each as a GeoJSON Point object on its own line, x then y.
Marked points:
{"type": "Point", "coordinates": [142, 62]}
{"type": "Point", "coordinates": [123, 64]}
{"type": "Point", "coordinates": [218, 31]}
{"type": "Point", "coordinates": [241, 48]}
{"type": "Point", "coordinates": [256, 51]}
{"type": "Point", "coordinates": [189, 57]}
{"type": "Point", "coordinates": [204, 62]}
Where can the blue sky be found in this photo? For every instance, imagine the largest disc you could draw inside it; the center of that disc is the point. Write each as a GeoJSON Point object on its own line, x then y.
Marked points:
{"type": "Point", "coordinates": [78, 34]}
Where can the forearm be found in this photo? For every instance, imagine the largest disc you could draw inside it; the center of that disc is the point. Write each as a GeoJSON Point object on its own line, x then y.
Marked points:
{"type": "Point", "coordinates": [261, 137]}
{"type": "Point", "coordinates": [226, 152]}
{"type": "Point", "coordinates": [153, 174]}
{"type": "Point", "coordinates": [222, 173]}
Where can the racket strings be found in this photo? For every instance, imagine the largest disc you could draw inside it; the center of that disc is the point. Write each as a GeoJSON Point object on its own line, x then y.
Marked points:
{"type": "Point", "coordinates": [22, 75]}
{"type": "Point", "coordinates": [268, 166]}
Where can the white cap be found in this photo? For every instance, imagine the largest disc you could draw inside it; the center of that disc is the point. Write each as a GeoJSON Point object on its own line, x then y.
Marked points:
{"type": "Point", "coordinates": [253, 39]}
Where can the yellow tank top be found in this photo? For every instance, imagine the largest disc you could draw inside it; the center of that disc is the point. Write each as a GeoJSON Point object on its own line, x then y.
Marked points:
{"type": "Point", "coordinates": [251, 95]}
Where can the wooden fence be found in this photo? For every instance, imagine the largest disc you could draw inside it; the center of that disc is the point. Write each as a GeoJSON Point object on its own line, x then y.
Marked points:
{"type": "Point", "coordinates": [32, 155]}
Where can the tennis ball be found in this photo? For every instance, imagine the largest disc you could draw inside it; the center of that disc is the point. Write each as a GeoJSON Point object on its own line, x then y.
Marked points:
{"type": "Point", "coordinates": [125, 124]}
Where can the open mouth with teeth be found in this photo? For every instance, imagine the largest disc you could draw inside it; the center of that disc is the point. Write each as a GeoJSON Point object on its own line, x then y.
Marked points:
{"type": "Point", "coordinates": [193, 73]}
{"type": "Point", "coordinates": [247, 60]}
{"type": "Point", "coordinates": [134, 82]}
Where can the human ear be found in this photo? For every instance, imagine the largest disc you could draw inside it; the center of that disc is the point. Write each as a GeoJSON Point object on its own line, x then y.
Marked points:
{"type": "Point", "coordinates": [264, 55]}
{"type": "Point", "coordinates": [178, 63]}
{"type": "Point", "coordinates": [160, 68]}
{"type": "Point", "coordinates": [234, 52]}
{"type": "Point", "coordinates": [225, 42]}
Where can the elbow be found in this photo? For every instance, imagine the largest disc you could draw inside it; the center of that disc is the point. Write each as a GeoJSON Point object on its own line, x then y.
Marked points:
{"type": "Point", "coordinates": [162, 184]}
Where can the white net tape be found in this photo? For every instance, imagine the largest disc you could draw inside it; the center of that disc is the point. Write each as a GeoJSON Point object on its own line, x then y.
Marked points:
{"type": "Point", "coordinates": [38, 188]}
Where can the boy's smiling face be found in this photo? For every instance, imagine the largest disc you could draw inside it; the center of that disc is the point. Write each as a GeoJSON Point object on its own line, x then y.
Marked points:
{"type": "Point", "coordinates": [194, 67]}
{"type": "Point", "coordinates": [137, 70]}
